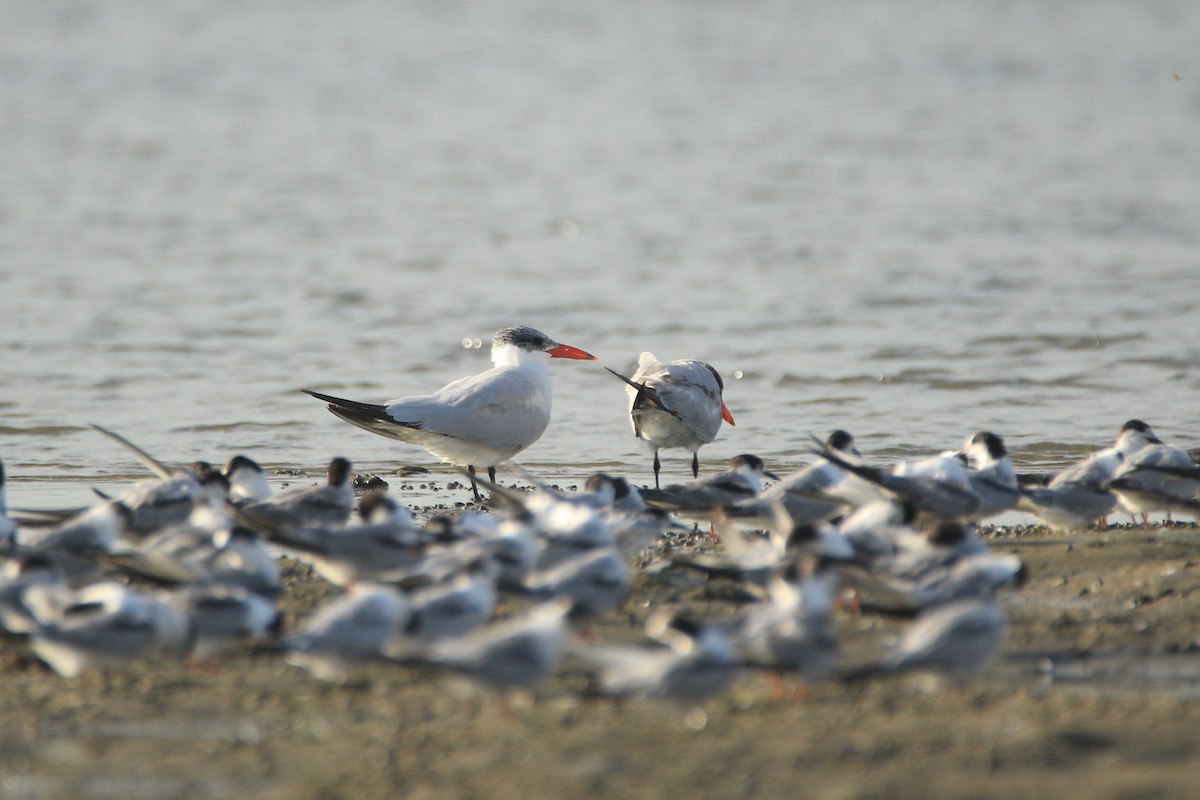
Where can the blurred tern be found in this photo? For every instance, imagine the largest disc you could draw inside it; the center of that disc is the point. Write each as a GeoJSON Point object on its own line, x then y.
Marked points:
{"type": "Point", "coordinates": [308, 506]}
{"type": "Point", "coordinates": [348, 631]}
{"type": "Point", "coordinates": [247, 481]}
{"type": "Point", "coordinates": [596, 581]}
{"type": "Point", "coordinates": [794, 630]}
{"type": "Point", "coordinates": [170, 496]}
{"type": "Point", "coordinates": [18, 616]}
{"type": "Point", "coordinates": [108, 625]}
{"type": "Point", "coordinates": [741, 481]}
{"type": "Point", "coordinates": [675, 404]}
{"type": "Point", "coordinates": [223, 614]}
{"type": "Point", "coordinates": [478, 421]}
{"type": "Point", "coordinates": [454, 608]}
{"type": "Point", "coordinates": [508, 654]}
{"type": "Point", "coordinates": [960, 639]}
{"type": "Point", "coordinates": [687, 663]}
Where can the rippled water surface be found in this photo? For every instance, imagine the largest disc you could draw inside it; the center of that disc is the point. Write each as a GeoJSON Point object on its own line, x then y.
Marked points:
{"type": "Point", "coordinates": [912, 221]}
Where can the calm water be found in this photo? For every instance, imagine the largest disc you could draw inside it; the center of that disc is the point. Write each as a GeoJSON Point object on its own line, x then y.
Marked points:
{"type": "Point", "coordinates": [912, 221]}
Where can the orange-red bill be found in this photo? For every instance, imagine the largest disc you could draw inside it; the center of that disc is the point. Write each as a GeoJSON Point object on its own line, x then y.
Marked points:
{"type": "Point", "coordinates": [725, 415]}
{"type": "Point", "coordinates": [566, 351]}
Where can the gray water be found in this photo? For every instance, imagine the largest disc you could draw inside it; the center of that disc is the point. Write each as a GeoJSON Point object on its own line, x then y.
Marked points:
{"type": "Point", "coordinates": [909, 220]}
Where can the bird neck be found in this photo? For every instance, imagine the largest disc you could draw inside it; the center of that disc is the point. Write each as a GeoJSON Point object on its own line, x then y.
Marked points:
{"type": "Point", "coordinates": [508, 356]}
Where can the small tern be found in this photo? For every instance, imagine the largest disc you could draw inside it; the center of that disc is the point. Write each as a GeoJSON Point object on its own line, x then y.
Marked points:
{"type": "Point", "coordinates": [990, 471]}
{"type": "Point", "coordinates": [1078, 496]}
{"type": "Point", "coordinates": [742, 480]}
{"type": "Point", "coordinates": [675, 404]}
{"type": "Point", "coordinates": [348, 631]}
{"type": "Point", "coordinates": [1140, 487]}
{"type": "Point", "coordinates": [938, 485]}
{"type": "Point", "coordinates": [509, 654]}
{"type": "Point", "coordinates": [814, 494]}
{"type": "Point", "coordinates": [478, 421]}
{"type": "Point", "coordinates": [107, 625]}
{"type": "Point", "coordinates": [308, 506]}
{"type": "Point", "coordinates": [687, 662]}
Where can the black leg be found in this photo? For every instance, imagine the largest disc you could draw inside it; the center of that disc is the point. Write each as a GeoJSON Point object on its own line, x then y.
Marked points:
{"type": "Point", "coordinates": [657, 467]}
{"type": "Point", "coordinates": [474, 487]}
{"type": "Point", "coordinates": [695, 465]}
{"type": "Point", "coordinates": [492, 474]}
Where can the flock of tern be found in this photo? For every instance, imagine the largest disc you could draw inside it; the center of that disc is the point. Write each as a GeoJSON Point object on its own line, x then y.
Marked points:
{"type": "Point", "coordinates": [187, 563]}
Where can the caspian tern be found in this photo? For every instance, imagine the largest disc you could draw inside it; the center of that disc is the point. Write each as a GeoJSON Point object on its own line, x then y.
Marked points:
{"type": "Point", "coordinates": [675, 404]}
{"type": "Point", "coordinates": [478, 421]}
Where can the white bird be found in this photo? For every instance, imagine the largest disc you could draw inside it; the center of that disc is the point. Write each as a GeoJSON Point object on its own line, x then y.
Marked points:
{"type": "Point", "coordinates": [224, 613]}
{"type": "Point", "coordinates": [454, 607]}
{"type": "Point", "coordinates": [170, 497]}
{"type": "Point", "coordinates": [308, 506]}
{"type": "Point", "coordinates": [687, 663]}
{"type": "Point", "coordinates": [478, 421]}
{"type": "Point", "coordinates": [247, 481]}
{"type": "Point", "coordinates": [675, 404]}
{"type": "Point", "coordinates": [742, 480]}
{"type": "Point", "coordinates": [937, 485]}
{"type": "Point", "coordinates": [990, 471]}
{"type": "Point", "coordinates": [960, 639]}
{"type": "Point", "coordinates": [597, 581]}
{"type": "Point", "coordinates": [512, 653]}
{"type": "Point", "coordinates": [367, 552]}
{"type": "Point", "coordinates": [1142, 486]}
{"type": "Point", "coordinates": [348, 631]}
{"type": "Point", "coordinates": [814, 494]}
{"type": "Point", "coordinates": [1078, 495]}
{"type": "Point", "coordinates": [794, 630]}
{"type": "Point", "coordinates": [108, 625]}
{"type": "Point", "coordinates": [18, 613]}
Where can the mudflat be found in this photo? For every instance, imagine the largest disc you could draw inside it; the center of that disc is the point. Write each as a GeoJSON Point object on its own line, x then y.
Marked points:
{"type": "Point", "coordinates": [1095, 696]}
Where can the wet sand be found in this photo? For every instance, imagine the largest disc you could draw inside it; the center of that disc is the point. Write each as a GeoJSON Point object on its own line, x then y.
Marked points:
{"type": "Point", "coordinates": [1095, 695]}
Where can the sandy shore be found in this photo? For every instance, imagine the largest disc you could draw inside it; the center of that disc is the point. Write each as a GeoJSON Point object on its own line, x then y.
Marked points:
{"type": "Point", "coordinates": [1095, 696]}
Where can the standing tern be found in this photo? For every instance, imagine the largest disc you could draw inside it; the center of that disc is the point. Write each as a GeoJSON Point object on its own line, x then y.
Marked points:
{"type": "Point", "coordinates": [1079, 495]}
{"type": "Point", "coordinates": [478, 421]}
{"type": "Point", "coordinates": [675, 404]}
{"type": "Point", "coordinates": [990, 471]}
{"type": "Point", "coordinates": [1141, 488]}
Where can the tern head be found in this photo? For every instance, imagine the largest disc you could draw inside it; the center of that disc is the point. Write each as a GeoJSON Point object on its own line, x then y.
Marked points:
{"type": "Point", "coordinates": [984, 448]}
{"type": "Point", "coordinates": [843, 442]}
{"type": "Point", "coordinates": [751, 465]}
{"type": "Point", "coordinates": [338, 473]}
{"type": "Point", "coordinates": [1134, 435]}
{"type": "Point", "coordinates": [530, 340]}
